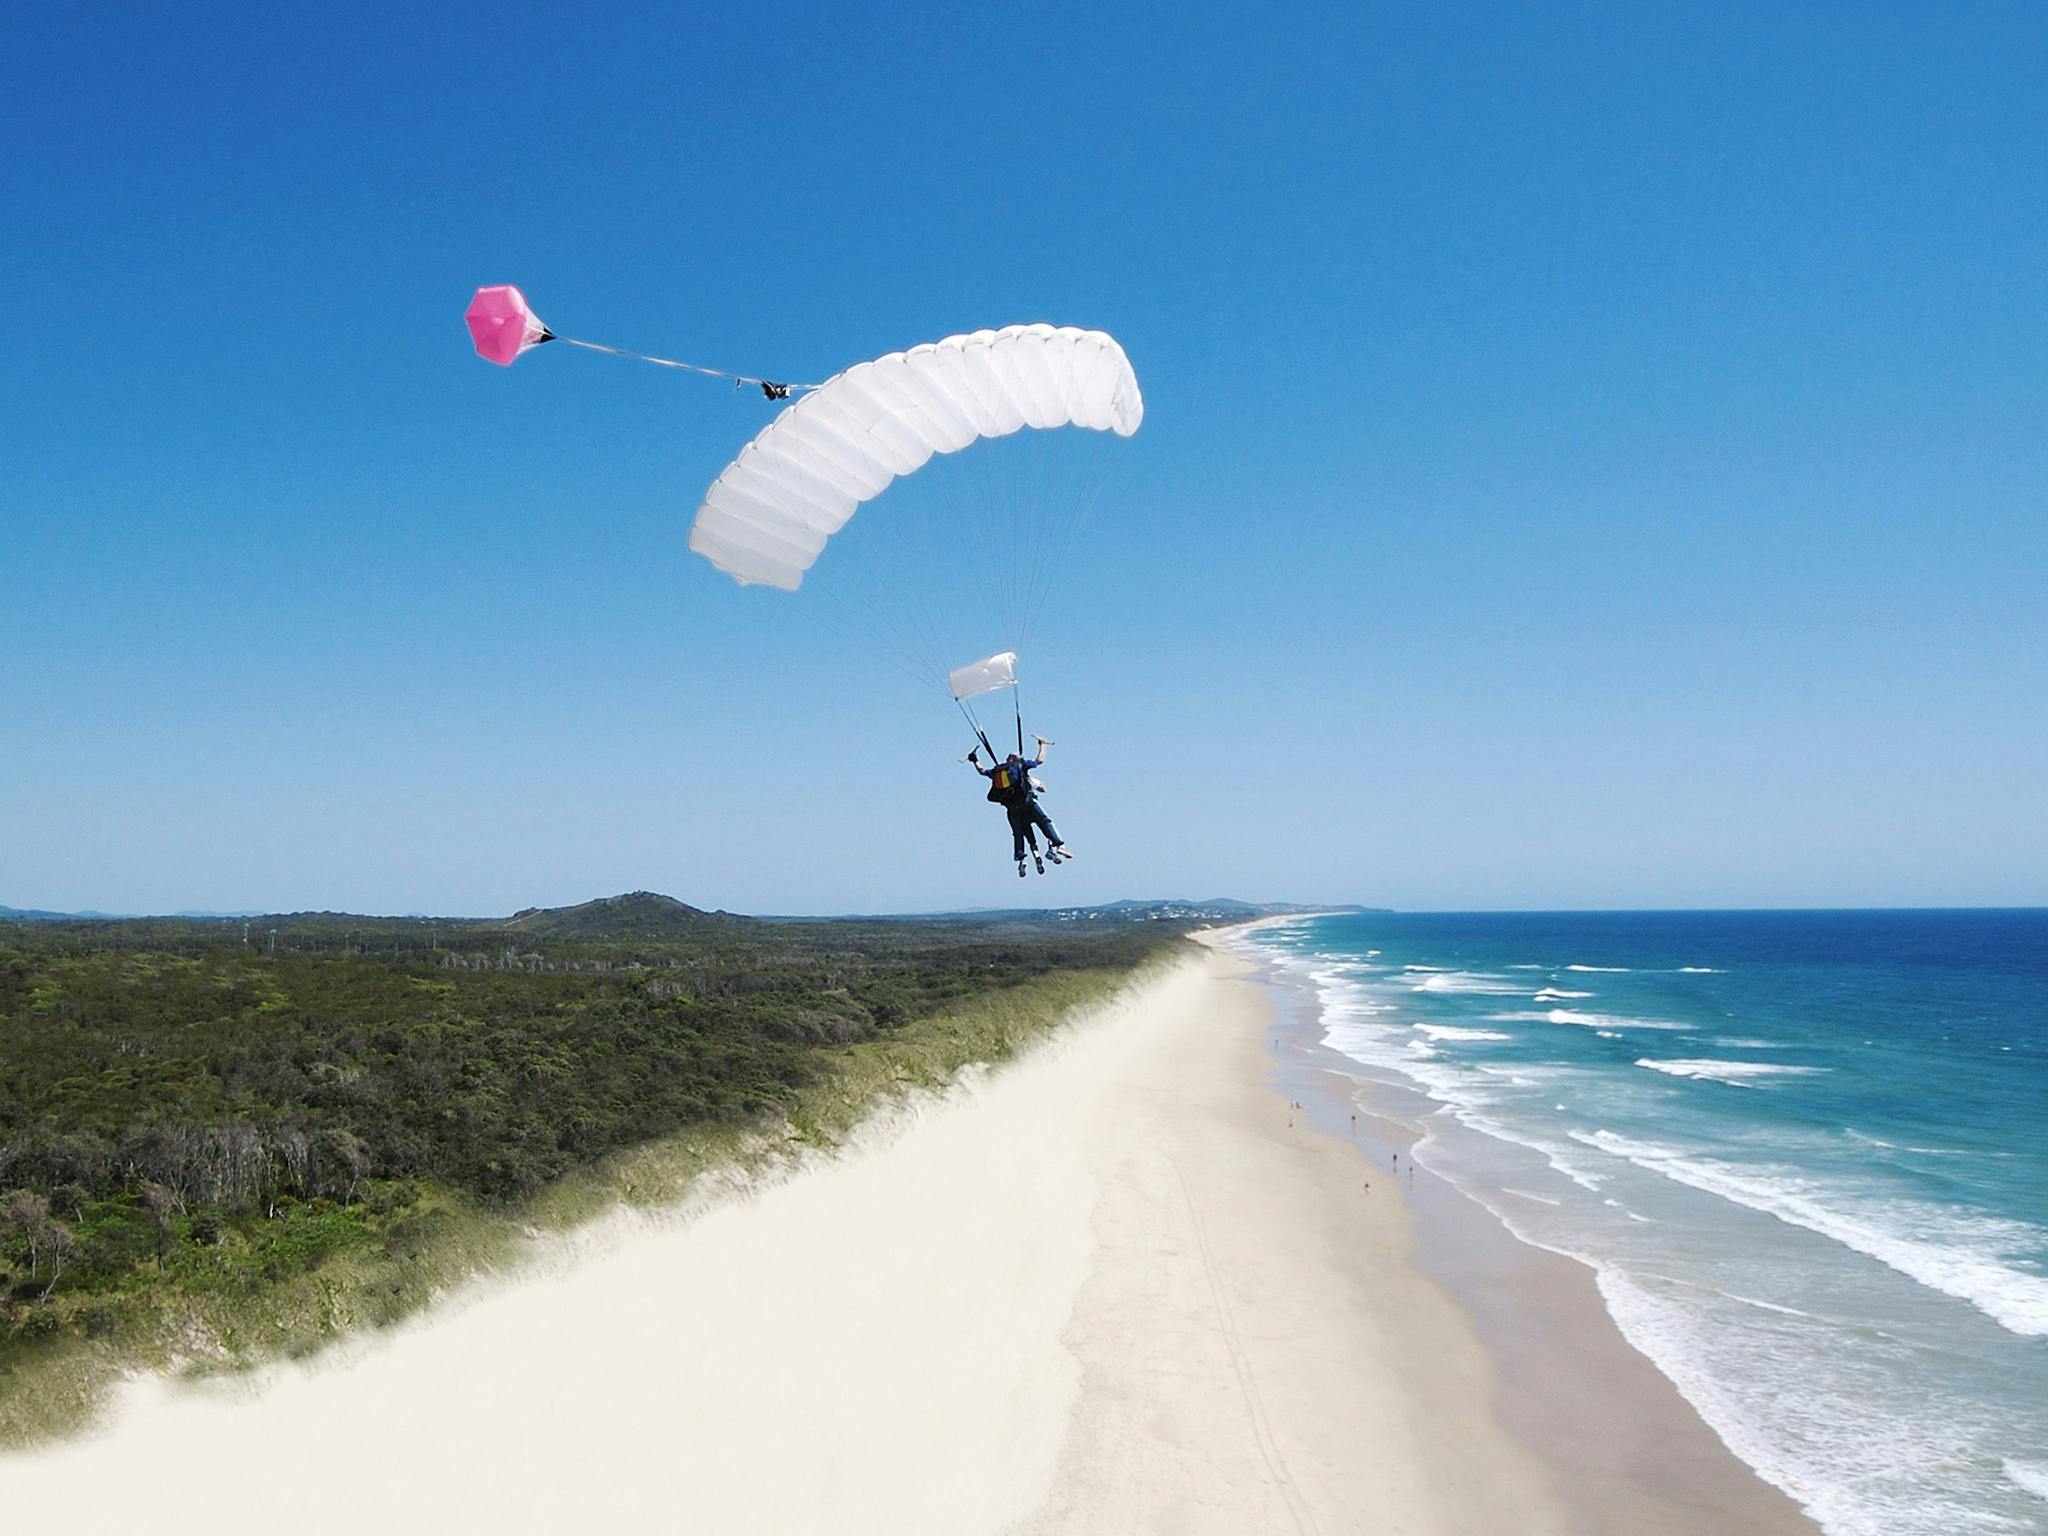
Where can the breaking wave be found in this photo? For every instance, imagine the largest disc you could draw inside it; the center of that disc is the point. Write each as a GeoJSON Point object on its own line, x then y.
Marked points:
{"type": "Point", "coordinates": [1957, 1255]}
{"type": "Point", "coordinates": [1742, 1074]}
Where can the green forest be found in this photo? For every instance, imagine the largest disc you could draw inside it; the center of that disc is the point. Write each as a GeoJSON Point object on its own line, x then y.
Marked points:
{"type": "Point", "coordinates": [216, 1108]}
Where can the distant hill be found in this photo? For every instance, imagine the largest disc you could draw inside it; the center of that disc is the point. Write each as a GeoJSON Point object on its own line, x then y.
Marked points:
{"type": "Point", "coordinates": [636, 915]}
{"type": "Point", "coordinates": [21, 915]}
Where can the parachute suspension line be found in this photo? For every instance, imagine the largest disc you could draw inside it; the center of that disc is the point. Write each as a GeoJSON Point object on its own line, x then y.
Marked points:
{"type": "Point", "coordinates": [1017, 703]}
{"type": "Point", "coordinates": [876, 566]}
{"type": "Point", "coordinates": [910, 624]}
{"type": "Point", "coordinates": [1065, 543]}
{"type": "Point", "coordinates": [994, 564]}
{"type": "Point", "coordinates": [925, 547]}
{"type": "Point", "coordinates": [871, 628]}
{"type": "Point", "coordinates": [1047, 507]}
{"type": "Point", "coordinates": [768, 387]}
{"type": "Point", "coordinates": [975, 725]}
{"type": "Point", "coordinates": [916, 639]}
{"type": "Point", "coordinates": [1078, 508]}
{"type": "Point", "coordinates": [1020, 512]}
{"type": "Point", "coordinates": [1009, 513]}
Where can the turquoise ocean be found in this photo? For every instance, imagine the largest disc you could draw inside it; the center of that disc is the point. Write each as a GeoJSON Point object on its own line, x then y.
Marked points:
{"type": "Point", "coordinates": [1804, 1153]}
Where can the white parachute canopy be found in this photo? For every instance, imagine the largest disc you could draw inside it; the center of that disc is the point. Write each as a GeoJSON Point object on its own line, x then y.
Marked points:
{"type": "Point", "coordinates": [984, 676]}
{"type": "Point", "coordinates": [765, 520]}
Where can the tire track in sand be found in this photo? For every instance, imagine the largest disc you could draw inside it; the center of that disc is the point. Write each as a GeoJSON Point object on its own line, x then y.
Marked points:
{"type": "Point", "coordinates": [1240, 1363]}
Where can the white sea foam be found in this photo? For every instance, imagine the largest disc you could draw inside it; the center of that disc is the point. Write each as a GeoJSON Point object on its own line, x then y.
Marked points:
{"type": "Point", "coordinates": [1855, 1474]}
{"type": "Point", "coordinates": [1892, 1146]}
{"type": "Point", "coordinates": [1523, 1077]}
{"type": "Point", "coordinates": [1742, 1074]}
{"type": "Point", "coordinates": [1558, 994]}
{"type": "Point", "coordinates": [1452, 1032]}
{"type": "Point", "coordinates": [1478, 982]}
{"type": "Point", "coordinates": [1623, 970]}
{"type": "Point", "coordinates": [1750, 1045]}
{"type": "Point", "coordinates": [1340, 968]}
{"type": "Point", "coordinates": [1770, 1305]}
{"type": "Point", "coordinates": [1584, 1020]}
{"type": "Point", "coordinates": [1360, 1028]}
{"type": "Point", "coordinates": [1573, 1016]}
{"type": "Point", "coordinates": [2030, 1475]}
{"type": "Point", "coordinates": [1960, 1256]}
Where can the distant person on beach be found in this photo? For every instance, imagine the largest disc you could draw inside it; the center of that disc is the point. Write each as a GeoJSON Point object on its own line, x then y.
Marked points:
{"type": "Point", "coordinates": [1011, 787]}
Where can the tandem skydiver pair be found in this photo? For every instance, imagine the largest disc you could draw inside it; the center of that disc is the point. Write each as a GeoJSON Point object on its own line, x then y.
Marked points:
{"type": "Point", "coordinates": [1012, 787]}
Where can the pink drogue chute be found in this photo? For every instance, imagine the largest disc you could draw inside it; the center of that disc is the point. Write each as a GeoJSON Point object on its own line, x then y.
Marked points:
{"type": "Point", "coordinates": [502, 326]}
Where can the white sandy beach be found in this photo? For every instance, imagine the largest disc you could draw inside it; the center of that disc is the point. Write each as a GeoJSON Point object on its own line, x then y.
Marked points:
{"type": "Point", "coordinates": [1108, 1288]}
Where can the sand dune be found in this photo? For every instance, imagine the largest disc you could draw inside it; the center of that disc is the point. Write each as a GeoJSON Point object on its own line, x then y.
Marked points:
{"type": "Point", "coordinates": [1100, 1289]}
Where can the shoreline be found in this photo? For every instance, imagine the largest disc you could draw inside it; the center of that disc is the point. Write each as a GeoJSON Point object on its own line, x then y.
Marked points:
{"type": "Point", "coordinates": [1630, 1453]}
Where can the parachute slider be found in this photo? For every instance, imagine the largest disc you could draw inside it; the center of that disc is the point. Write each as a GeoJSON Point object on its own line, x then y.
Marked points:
{"type": "Point", "coordinates": [984, 676]}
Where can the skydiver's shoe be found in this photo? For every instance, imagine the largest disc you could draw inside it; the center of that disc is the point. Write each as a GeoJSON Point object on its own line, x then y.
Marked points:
{"type": "Point", "coordinates": [1055, 855]}
{"type": "Point", "coordinates": [1065, 850]}
{"type": "Point", "coordinates": [1039, 862]}
{"type": "Point", "coordinates": [1020, 869]}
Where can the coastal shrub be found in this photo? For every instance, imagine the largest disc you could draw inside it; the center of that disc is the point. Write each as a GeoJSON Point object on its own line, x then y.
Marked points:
{"type": "Point", "coordinates": [39, 1323]}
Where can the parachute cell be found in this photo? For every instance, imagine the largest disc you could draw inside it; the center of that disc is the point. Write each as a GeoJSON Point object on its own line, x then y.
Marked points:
{"type": "Point", "coordinates": [766, 519]}
{"type": "Point", "coordinates": [984, 676]}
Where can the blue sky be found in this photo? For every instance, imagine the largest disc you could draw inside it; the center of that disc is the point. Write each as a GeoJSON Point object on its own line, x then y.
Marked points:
{"type": "Point", "coordinates": [1595, 455]}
